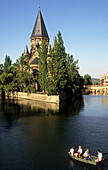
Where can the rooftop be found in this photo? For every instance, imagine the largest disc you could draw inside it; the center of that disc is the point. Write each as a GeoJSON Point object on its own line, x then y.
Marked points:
{"type": "Point", "coordinates": [39, 29]}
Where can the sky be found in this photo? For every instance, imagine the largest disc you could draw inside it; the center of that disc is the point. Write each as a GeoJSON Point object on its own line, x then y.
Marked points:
{"type": "Point", "coordinates": [82, 23]}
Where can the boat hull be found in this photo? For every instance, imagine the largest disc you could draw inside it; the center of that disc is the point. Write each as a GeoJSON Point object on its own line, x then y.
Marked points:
{"type": "Point", "coordinates": [87, 161]}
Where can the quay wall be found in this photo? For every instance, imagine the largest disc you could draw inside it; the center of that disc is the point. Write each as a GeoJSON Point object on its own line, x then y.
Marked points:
{"type": "Point", "coordinates": [38, 97]}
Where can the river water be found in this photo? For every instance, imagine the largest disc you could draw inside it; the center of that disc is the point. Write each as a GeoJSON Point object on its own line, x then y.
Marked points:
{"type": "Point", "coordinates": [38, 136]}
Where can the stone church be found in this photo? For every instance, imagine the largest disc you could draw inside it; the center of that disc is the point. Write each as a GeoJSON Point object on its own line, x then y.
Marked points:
{"type": "Point", "coordinates": [39, 33]}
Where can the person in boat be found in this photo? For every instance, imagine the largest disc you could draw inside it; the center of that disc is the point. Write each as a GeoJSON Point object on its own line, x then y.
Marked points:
{"type": "Point", "coordinates": [86, 153]}
{"type": "Point", "coordinates": [100, 156]}
{"type": "Point", "coordinates": [80, 151]}
{"type": "Point", "coordinates": [71, 151]}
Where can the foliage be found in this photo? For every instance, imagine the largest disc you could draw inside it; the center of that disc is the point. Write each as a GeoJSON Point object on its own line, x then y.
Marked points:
{"type": "Point", "coordinates": [63, 70]}
{"type": "Point", "coordinates": [51, 73]}
{"type": "Point", "coordinates": [7, 63]}
{"type": "Point", "coordinates": [60, 64]}
{"type": "Point", "coordinates": [87, 79]}
{"type": "Point", "coordinates": [43, 66]}
{"type": "Point", "coordinates": [75, 81]}
{"type": "Point", "coordinates": [1, 68]}
{"type": "Point", "coordinates": [34, 91]}
{"type": "Point", "coordinates": [58, 72]}
{"type": "Point", "coordinates": [57, 67]}
{"type": "Point", "coordinates": [96, 81]}
{"type": "Point", "coordinates": [17, 76]}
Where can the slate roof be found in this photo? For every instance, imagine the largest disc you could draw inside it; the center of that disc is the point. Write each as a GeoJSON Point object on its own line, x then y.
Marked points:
{"type": "Point", "coordinates": [34, 62]}
{"type": "Point", "coordinates": [39, 29]}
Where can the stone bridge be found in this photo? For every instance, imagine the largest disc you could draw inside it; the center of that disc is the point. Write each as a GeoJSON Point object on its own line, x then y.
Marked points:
{"type": "Point", "coordinates": [96, 89]}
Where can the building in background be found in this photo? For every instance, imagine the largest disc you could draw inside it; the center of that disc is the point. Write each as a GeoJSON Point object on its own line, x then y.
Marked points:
{"type": "Point", "coordinates": [104, 79]}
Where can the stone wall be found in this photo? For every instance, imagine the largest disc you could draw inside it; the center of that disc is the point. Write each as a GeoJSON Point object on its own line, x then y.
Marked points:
{"type": "Point", "coordinates": [38, 97]}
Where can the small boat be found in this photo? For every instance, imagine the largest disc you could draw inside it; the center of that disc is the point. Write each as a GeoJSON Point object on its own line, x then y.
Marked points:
{"type": "Point", "coordinates": [92, 162]}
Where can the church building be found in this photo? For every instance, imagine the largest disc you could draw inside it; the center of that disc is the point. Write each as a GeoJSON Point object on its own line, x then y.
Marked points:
{"type": "Point", "coordinates": [39, 33]}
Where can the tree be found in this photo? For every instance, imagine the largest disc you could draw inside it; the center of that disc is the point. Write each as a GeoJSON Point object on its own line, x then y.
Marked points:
{"type": "Point", "coordinates": [96, 81]}
{"type": "Point", "coordinates": [43, 66]}
{"type": "Point", "coordinates": [24, 79]}
{"type": "Point", "coordinates": [75, 81]}
{"type": "Point", "coordinates": [87, 79]}
{"type": "Point", "coordinates": [57, 67]}
{"type": "Point", "coordinates": [1, 68]}
{"type": "Point", "coordinates": [17, 77]}
{"type": "Point", "coordinates": [51, 73]}
{"type": "Point", "coordinates": [58, 72]}
{"type": "Point", "coordinates": [60, 61]}
{"type": "Point", "coordinates": [7, 63]}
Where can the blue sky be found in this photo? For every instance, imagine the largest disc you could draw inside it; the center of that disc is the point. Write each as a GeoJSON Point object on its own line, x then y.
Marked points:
{"type": "Point", "coordinates": [83, 24]}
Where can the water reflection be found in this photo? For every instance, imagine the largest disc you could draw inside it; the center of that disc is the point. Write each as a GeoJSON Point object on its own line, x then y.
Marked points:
{"type": "Point", "coordinates": [35, 136]}
{"type": "Point", "coordinates": [75, 165]}
{"type": "Point", "coordinates": [73, 106]}
{"type": "Point", "coordinates": [104, 101]}
{"type": "Point", "coordinates": [12, 110]}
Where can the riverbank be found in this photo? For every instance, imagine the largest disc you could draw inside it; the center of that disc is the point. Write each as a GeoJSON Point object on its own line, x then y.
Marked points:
{"type": "Point", "coordinates": [38, 97]}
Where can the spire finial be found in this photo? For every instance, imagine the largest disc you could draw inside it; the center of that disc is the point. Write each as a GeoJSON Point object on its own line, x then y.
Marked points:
{"type": "Point", "coordinates": [39, 6]}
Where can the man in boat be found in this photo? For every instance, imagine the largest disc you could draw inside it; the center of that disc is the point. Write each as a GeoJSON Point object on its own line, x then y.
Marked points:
{"type": "Point", "coordinates": [100, 156]}
{"type": "Point", "coordinates": [86, 153]}
{"type": "Point", "coordinates": [80, 151]}
{"type": "Point", "coordinates": [71, 151]}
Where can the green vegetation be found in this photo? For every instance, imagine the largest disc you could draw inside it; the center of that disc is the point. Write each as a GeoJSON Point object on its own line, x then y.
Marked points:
{"type": "Point", "coordinates": [57, 78]}
{"type": "Point", "coordinates": [58, 72]}
{"type": "Point", "coordinates": [95, 81]}
{"type": "Point", "coordinates": [61, 71]}
{"type": "Point", "coordinates": [43, 66]}
{"type": "Point", "coordinates": [16, 77]}
{"type": "Point", "coordinates": [91, 81]}
{"type": "Point", "coordinates": [1, 68]}
{"type": "Point", "coordinates": [87, 79]}
{"type": "Point", "coordinates": [75, 81]}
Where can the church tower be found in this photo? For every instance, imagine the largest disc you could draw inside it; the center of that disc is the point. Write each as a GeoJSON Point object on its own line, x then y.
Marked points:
{"type": "Point", "coordinates": [39, 33]}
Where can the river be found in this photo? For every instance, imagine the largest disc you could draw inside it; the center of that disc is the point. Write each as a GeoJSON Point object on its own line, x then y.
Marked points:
{"type": "Point", "coordinates": [35, 135]}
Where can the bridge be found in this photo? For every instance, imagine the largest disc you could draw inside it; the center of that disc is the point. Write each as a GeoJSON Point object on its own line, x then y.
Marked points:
{"type": "Point", "coordinates": [96, 89]}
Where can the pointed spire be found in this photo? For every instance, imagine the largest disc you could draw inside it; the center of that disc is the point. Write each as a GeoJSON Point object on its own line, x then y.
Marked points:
{"type": "Point", "coordinates": [26, 50]}
{"type": "Point", "coordinates": [39, 29]}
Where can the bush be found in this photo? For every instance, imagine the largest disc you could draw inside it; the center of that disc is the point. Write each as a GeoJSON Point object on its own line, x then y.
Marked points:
{"type": "Point", "coordinates": [34, 91]}
{"type": "Point", "coordinates": [25, 89]}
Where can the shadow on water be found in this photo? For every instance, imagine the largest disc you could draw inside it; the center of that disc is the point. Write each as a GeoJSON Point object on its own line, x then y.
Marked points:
{"type": "Point", "coordinates": [12, 110]}
{"type": "Point", "coordinates": [72, 106]}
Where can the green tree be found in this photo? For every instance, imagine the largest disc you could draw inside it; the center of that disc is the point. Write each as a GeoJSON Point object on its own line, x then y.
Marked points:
{"type": "Point", "coordinates": [1, 68]}
{"type": "Point", "coordinates": [7, 63]}
{"type": "Point", "coordinates": [87, 79]}
{"type": "Point", "coordinates": [43, 66]}
{"type": "Point", "coordinates": [75, 81]}
{"type": "Point", "coordinates": [24, 79]}
{"type": "Point", "coordinates": [57, 67]}
{"type": "Point", "coordinates": [96, 81]}
{"type": "Point", "coordinates": [52, 90]}
{"type": "Point", "coordinates": [17, 77]}
{"type": "Point", "coordinates": [60, 61]}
